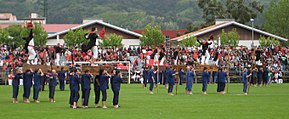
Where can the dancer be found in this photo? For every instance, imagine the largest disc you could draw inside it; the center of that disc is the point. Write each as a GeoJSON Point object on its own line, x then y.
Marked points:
{"type": "Point", "coordinates": [205, 52]}
{"type": "Point", "coordinates": [92, 44]}
{"type": "Point", "coordinates": [29, 47]}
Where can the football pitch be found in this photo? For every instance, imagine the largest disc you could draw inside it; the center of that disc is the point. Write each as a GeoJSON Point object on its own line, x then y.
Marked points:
{"type": "Point", "coordinates": [262, 103]}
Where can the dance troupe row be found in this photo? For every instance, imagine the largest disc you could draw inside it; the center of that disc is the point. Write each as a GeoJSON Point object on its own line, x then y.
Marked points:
{"type": "Point", "coordinates": [150, 76]}
{"type": "Point", "coordinates": [100, 85]}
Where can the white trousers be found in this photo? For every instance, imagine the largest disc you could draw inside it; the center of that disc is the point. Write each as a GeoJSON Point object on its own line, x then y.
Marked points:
{"type": "Point", "coordinates": [280, 80]}
{"type": "Point", "coordinates": [205, 58]}
{"type": "Point", "coordinates": [258, 62]}
{"type": "Point", "coordinates": [57, 60]}
{"type": "Point", "coordinates": [95, 52]}
{"type": "Point", "coordinates": [162, 61]}
{"type": "Point", "coordinates": [10, 82]}
{"type": "Point", "coordinates": [176, 60]}
{"type": "Point", "coordinates": [31, 52]}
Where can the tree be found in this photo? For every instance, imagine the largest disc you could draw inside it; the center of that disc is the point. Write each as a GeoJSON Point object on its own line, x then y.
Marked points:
{"type": "Point", "coordinates": [233, 38]}
{"type": "Point", "coordinates": [189, 42]}
{"type": "Point", "coordinates": [211, 10]}
{"type": "Point", "coordinates": [75, 38]}
{"type": "Point", "coordinates": [269, 41]}
{"type": "Point", "coordinates": [152, 36]}
{"type": "Point", "coordinates": [240, 10]}
{"type": "Point", "coordinates": [191, 27]}
{"type": "Point", "coordinates": [4, 36]}
{"type": "Point", "coordinates": [277, 18]}
{"type": "Point", "coordinates": [17, 32]}
{"type": "Point", "coordinates": [230, 39]}
{"type": "Point", "coordinates": [40, 36]}
{"type": "Point", "coordinates": [113, 40]}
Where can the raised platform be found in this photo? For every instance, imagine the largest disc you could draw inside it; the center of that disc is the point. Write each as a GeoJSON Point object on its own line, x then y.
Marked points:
{"type": "Point", "coordinates": [198, 68]}
{"type": "Point", "coordinates": [95, 69]}
{"type": "Point", "coordinates": [45, 68]}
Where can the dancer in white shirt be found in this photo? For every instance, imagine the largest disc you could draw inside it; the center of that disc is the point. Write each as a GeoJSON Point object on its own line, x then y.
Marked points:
{"type": "Point", "coordinates": [29, 47]}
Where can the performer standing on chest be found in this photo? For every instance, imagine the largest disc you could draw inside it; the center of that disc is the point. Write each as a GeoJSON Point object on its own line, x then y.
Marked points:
{"type": "Point", "coordinates": [58, 51]}
{"type": "Point", "coordinates": [29, 47]}
{"type": "Point", "coordinates": [205, 52]}
{"type": "Point", "coordinates": [92, 44]}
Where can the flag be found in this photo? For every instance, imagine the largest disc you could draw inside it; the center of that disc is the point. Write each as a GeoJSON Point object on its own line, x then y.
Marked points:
{"type": "Point", "coordinates": [102, 33]}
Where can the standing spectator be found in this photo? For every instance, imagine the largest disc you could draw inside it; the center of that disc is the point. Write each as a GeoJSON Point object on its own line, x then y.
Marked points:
{"type": "Point", "coordinates": [145, 77]}
{"type": "Point", "coordinates": [151, 79]}
{"type": "Point", "coordinates": [115, 85]}
{"type": "Point", "coordinates": [52, 85]}
{"type": "Point", "coordinates": [37, 82]}
{"type": "Point", "coordinates": [15, 84]}
{"type": "Point", "coordinates": [222, 77]}
{"type": "Point", "coordinates": [254, 77]}
{"type": "Point", "coordinates": [85, 81]}
{"type": "Point", "coordinates": [265, 77]}
{"type": "Point", "coordinates": [205, 79]}
{"type": "Point", "coordinates": [245, 81]}
{"type": "Point", "coordinates": [27, 83]}
{"type": "Point", "coordinates": [171, 80]}
{"type": "Point", "coordinates": [103, 78]}
{"type": "Point", "coordinates": [260, 76]}
{"type": "Point", "coordinates": [190, 79]}
{"type": "Point", "coordinates": [74, 88]}
{"type": "Point", "coordinates": [181, 76]}
{"type": "Point", "coordinates": [61, 77]}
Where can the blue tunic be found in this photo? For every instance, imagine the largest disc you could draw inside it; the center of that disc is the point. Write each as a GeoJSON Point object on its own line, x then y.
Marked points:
{"type": "Point", "coordinates": [151, 74]}
{"type": "Point", "coordinates": [27, 79]}
{"type": "Point", "coordinates": [37, 80]}
{"type": "Point", "coordinates": [52, 80]}
{"type": "Point", "coordinates": [171, 77]}
{"type": "Point", "coordinates": [244, 78]}
{"type": "Point", "coordinates": [205, 80]}
{"type": "Point", "coordinates": [103, 81]}
{"type": "Point", "coordinates": [181, 74]}
{"type": "Point", "coordinates": [245, 81]}
{"type": "Point", "coordinates": [16, 80]}
{"type": "Point", "coordinates": [115, 83]}
{"type": "Point", "coordinates": [254, 73]}
{"type": "Point", "coordinates": [85, 81]}
{"type": "Point", "coordinates": [145, 74]}
{"type": "Point", "coordinates": [190, 79]}
{"type": "Point", "coordinates": [222, 77]}
{"type": "Point", "coordinates": [74, 83]}
{"type": "Point", "coordinates": [205, 77]}
{"type": "Point", "coordinates": [61, 75]}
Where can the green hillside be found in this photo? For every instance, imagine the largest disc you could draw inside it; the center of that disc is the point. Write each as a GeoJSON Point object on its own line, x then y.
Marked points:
{"type": "Point", "coordinates": [130, 14]}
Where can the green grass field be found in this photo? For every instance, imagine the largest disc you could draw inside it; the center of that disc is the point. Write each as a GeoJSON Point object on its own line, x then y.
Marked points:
{"type": "Point", "coordinates": [136, 103]}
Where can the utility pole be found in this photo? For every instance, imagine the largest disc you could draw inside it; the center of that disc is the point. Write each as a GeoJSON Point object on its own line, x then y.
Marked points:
{"type": "Point", "coordinates": [45, 9]}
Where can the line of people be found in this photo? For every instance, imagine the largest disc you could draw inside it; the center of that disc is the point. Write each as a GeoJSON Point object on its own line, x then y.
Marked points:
{"type": "Point", "coordinates": [100, 86]}
{"type": "Point", "coordinates": [150, 77]}
{"type": "Point", "coordinates": [35, 79]}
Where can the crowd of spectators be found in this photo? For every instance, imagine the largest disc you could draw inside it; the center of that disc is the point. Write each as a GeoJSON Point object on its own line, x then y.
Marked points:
{"type": "Point", "coordinates": [273, 59]}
